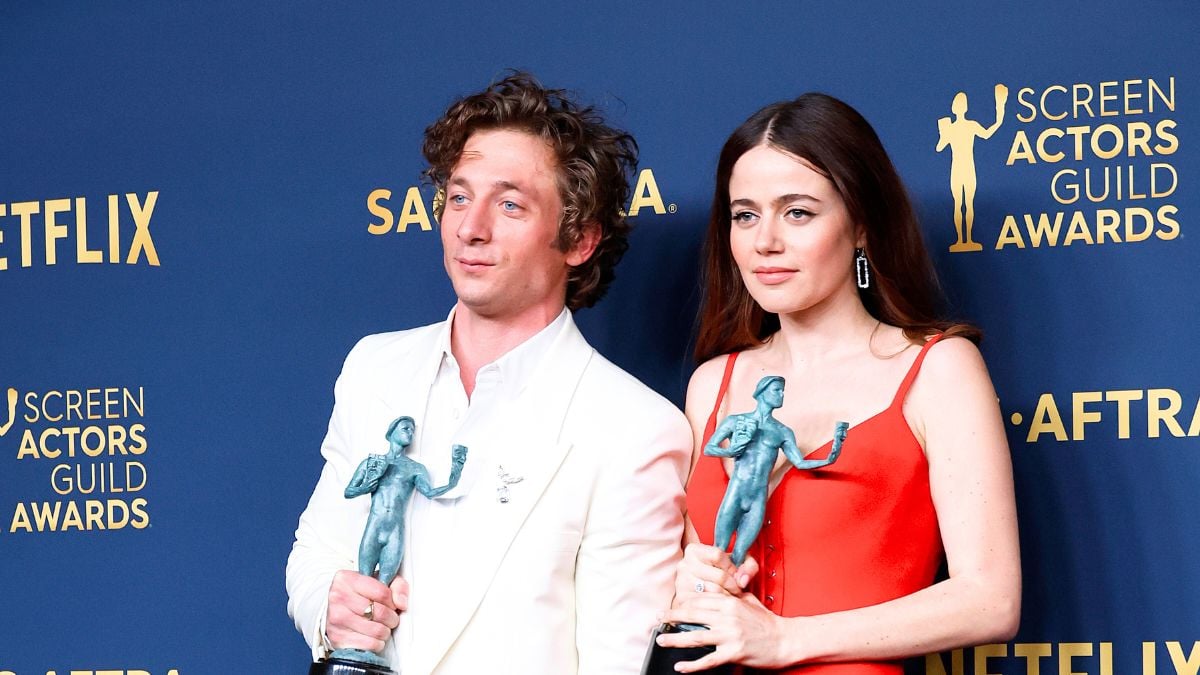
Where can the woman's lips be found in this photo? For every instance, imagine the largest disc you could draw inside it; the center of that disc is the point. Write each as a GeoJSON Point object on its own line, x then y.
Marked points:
{"type": "Point", "coordinates": [773, 275]}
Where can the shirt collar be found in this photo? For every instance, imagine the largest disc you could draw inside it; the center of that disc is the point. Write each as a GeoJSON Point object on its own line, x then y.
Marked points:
{"type": "Point", "coordinates": [516, 367]}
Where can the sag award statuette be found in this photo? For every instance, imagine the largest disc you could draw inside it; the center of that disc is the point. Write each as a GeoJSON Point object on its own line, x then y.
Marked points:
{"type": "Point", "coordinates": [390, 479]}
{"type": "Point", "coordinates": [755, 439]}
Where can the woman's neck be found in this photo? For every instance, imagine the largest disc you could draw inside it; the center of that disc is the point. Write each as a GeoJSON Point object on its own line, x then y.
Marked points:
{"type": "Point", "coordinates": [820, 333]}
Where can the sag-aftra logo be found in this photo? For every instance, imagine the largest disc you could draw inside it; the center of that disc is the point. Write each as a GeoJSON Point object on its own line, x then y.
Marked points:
{"type": "Point", "coordinates": [397, 215]}
{"type": "Point", "coordinates": [90, 446]}
{"type": "Point", "coordinates": [11, 408]}
{"type": "Point", "coordinates": [1101, 152]}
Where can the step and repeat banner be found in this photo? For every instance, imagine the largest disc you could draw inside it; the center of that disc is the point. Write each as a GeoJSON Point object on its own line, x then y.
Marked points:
{"type": "Point", "coordinates": [204, 205]}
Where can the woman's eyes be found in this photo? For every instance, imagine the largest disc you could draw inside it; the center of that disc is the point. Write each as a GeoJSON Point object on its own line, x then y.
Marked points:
{"type": "Point", "coordinates": [745, 217]}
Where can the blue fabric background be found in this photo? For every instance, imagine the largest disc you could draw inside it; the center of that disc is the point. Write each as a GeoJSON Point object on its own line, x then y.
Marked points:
{"type": "Point", "coordinates": [264, 127]}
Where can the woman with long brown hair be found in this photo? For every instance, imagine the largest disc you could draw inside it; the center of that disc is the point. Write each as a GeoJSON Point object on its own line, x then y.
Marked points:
{"type": "Point", "coordinates": [816, 271]}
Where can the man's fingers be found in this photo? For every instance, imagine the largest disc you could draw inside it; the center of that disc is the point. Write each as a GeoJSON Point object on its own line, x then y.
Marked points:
{"type": "Point", "coordinates": [371, 589]}
{"type": "Point", "coordinates": [356, 641]}
{"type": "Point", "coordinates": [399, 590]}
{"type": "Point", "coordinates": [387, 617]}
{"type": "Point", "coordinates": [351, 586]}
{"type": "Point", "coordinates": [348, 629]}
{"type": "Point", "coordinates": [362, 611]}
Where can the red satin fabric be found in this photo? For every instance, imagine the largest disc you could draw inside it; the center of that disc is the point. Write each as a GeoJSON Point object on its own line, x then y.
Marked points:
{"type": "Point", "coordinates": [856, 533]}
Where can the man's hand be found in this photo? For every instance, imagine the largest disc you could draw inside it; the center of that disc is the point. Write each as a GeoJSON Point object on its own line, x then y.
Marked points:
{"type": "Point", "coordinates": [459, 455]}
{"type": "Point", "coordinates": [348, 624]}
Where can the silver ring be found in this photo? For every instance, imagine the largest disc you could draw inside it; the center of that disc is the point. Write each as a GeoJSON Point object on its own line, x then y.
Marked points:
{"type": "Point", "coordinates": [699, 586]}
{"type": "Point", "coordinates": [369, 612]}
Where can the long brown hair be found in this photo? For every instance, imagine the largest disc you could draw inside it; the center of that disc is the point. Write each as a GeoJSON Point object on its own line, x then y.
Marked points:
{"type": "Point", "coordinates": [842, 146]}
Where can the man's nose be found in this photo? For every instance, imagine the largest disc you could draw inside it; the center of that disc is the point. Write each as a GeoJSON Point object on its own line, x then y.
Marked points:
{"type": "Point", "coordinates": [474, 226]}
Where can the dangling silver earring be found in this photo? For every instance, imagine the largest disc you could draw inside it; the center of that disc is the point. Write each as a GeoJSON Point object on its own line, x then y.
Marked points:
{"type": "Point", "coordinates": [861, 269]}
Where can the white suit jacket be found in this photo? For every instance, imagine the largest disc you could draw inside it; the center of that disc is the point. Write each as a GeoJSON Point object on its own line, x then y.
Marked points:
{"type": "Point", "coordinates": [568, 578]}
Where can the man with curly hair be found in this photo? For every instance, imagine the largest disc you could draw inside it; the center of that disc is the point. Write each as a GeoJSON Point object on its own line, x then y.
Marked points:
{"type": "Point", "coordinates": [558, 546]}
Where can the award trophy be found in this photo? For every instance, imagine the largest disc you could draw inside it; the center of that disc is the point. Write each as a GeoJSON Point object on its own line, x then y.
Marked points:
{"type": "Point", "coordinates": [391, 480]}
{"type": "Point", "coordinates": [755, 439]}
{"type": "Point", "coordinates": [959, 134]}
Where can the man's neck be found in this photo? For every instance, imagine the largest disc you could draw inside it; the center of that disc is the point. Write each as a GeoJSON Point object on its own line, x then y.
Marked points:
{"type": "Point", "coordinates": [477, 340]}
{"type": "Point", "coordinates": [763, 411]}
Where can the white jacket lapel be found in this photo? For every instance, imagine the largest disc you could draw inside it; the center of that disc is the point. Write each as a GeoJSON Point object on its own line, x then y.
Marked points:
{"type": "Point", "coordinates": [535, 417]}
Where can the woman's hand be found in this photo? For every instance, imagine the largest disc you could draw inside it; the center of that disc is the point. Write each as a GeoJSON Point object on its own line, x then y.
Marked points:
{"type": "Point", "coordinates": [708, 569]}
{"type": "Point", "coordinates": [740, 627]}
{"type": "Point", "coordinates": [711, 591]}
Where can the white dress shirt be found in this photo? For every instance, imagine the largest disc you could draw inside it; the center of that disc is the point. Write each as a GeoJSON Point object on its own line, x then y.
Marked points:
{"type": "Point", "coordinates": [452, 419]}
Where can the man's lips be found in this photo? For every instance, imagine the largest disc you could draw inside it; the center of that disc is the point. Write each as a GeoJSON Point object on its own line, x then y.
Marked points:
{"type": "Point", "coordinates": [473, 264]}
{"type": "Point", "coordinates": [773, 275]}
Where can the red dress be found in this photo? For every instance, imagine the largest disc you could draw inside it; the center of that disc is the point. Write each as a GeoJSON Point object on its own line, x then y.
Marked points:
{"type": "Point", "coordinates": [856, 533]}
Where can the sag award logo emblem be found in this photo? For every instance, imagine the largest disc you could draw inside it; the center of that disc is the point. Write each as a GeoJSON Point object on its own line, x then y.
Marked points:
{"type": "Point", "coordinates": [12, 411]}
{"type": "Point", "coordinates": [959, 134]}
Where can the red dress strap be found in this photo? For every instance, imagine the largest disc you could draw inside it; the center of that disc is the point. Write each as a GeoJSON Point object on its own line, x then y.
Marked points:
{"type": "Point", "coordinates": [906, 384]}
{"type": "Point", "coordinates": [712, 419]}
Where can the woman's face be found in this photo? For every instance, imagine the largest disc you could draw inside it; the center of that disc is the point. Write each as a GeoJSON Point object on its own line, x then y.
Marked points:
{"type": "Point", "coordinates": [790, 234]}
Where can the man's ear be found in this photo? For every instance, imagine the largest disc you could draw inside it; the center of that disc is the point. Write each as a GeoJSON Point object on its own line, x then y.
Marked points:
{"type": "Point", "coordinates": [588, 240]}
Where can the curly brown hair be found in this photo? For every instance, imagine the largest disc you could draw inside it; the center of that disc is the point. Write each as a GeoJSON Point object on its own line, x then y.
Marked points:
{"type": "Point", "coordinates": [595, 162]}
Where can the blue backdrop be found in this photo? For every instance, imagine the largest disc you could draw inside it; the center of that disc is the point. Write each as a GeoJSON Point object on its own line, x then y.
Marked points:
{"type": "Point", "coordinates": [204, 205]}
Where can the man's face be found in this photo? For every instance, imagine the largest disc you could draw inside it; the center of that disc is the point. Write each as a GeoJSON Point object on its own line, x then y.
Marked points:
{"type": "Point", "coordinates": [773, 394]}
{"type": "Point", "coordinates": [403, 433]}
{"type": "Point", "coordinates": [500, 227]}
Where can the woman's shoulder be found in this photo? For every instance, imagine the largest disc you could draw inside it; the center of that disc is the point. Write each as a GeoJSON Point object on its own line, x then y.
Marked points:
{"type": "Point", "coordinates": [952, 374]}
{"type": "Point", "coordinates": [704, 384]}
{"type": "Point", "coordinates": [950, 356]}
{"type": "Point", "coordinates": [709, 372]}
{"type": "Point", "coordinates": [943, 352]}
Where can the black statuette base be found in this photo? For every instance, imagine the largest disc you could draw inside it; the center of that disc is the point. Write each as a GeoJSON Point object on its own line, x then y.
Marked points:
{"type": "Point", "coordinates": [333, 666]}
{"type": "Point", "coordinates": [662, 660]}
